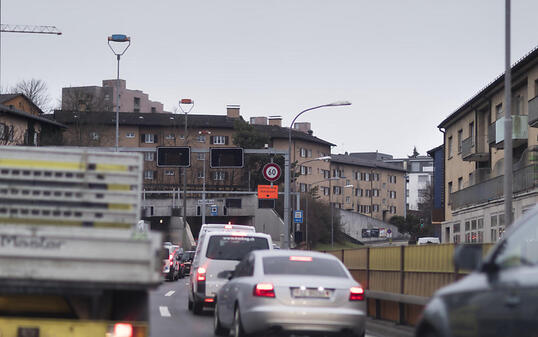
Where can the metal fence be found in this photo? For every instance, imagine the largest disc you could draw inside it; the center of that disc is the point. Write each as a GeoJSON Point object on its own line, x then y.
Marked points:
{"type": "Point", "coordinates": [401, 279]}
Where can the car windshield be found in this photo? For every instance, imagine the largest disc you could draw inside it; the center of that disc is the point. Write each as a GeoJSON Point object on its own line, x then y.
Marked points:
{"type": "Point", "coordinates": [520, 248]}
{"type": "Point", "coordinates": [285, 265]}
{"type": "Point", "coordinates": [232, 247]}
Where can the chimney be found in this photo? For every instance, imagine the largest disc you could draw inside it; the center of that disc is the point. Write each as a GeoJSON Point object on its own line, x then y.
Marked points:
{"type": "Point", "coordinates": [303, 126]}
{"type": "Point", "coordinates": [232, 111]}
{"type": "Point", "coordinates": [258, 120]}
{"type": "Point", "coordinates": [276, 121]}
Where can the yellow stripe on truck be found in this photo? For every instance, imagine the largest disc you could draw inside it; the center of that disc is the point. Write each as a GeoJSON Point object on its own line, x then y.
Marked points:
{"type": "Point", "coordinates": [63, 327]}
{"type": "Point", "coordinates": [42, 164]}
{"type": "Point", "coordinates": [59, 165]}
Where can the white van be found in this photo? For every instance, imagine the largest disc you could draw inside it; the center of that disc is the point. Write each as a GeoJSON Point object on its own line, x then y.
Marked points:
{"type": "Point", "coordinates": [219, 251]}
{"type": "Point", "coordinates": [428, 240]}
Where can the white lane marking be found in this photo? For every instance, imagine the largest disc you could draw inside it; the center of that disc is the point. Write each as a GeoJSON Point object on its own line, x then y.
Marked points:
{"type": "Point", "coordinates": [164, 312]}
{"type": "Point", "coordinates": [170, 293]}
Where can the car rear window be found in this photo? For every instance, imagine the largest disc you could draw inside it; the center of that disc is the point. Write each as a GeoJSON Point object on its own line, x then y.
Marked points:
{"type": "Point", "coordinates": [233, 247]}
{"type": "Point", "coordinates": [284, 265]}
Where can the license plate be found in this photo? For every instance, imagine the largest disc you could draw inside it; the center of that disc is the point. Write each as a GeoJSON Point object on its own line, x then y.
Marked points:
{"type": "Point", "coordinates": [310, 293]}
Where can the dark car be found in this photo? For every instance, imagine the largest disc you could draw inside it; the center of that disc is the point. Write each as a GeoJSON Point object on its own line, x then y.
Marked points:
{"type": "Point", "coordinates": [171, 263]}
{"type": "Point", "coordinates": [499, 298]}
{"type": "Point", "coordinates": [186, 261]}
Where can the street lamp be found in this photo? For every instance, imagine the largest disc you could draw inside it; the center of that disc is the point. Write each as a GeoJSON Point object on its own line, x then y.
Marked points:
{"type": "Point", "coordinates": [332, 212]}
{"type": "Point", "coordinates": [287, 172]}
{"type": "Point", "coordinates": [118, 39]}
{"type": "Point", "coordinates": [186, 102]}
{"type": "Point", "coordinates": [306, 207]}
{"type": "Point", "coordinates": [203, 132]}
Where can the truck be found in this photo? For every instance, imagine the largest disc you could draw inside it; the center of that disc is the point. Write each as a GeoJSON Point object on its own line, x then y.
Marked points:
{"type": "Point", "coordinates": [75, 258]}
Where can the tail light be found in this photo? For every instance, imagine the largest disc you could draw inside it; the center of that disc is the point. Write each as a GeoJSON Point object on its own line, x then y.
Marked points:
{"type": "Point", "coordinates": [123, 330]}
{"type": "Point", "coordinates": [171, 257]}
{"type": "Point", "coordinates": [264, 290]}
{"type": "Point", "coordinates": [356, 294]}
{"type": "Point", "coordinates": [200, 274]}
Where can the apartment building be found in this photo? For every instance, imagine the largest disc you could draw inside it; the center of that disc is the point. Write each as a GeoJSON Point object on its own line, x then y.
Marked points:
{"type": "Point", "coordinates": [474, 157]}
{"type": "Point", "coordinates": [438, 211]}
{"type": "Point", "coordinates": [104, 98]}
{"type": "Point", "coordinates": [148, 130]}
{"type": "Point", "coordinates": [370, 187]}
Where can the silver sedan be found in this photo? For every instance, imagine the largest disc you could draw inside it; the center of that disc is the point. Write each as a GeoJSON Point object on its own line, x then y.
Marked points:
{"type": "Point", "coordinates": [290, 292]}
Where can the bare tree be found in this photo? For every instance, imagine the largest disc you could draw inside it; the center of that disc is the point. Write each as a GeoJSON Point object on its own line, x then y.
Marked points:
{"type": "Point", "coordinates": [84, 100]}
{"type": "Point", "coordinates": [36, 90]}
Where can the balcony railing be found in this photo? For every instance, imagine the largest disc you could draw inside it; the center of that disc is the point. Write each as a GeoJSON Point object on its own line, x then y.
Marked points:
{"type": "Point", "coordinates": [469, 151]}
{"type": "Point", "coordinates": [520, 128]}
{"type": "Point", "coordinates": [480, 175]}
{"type": "Point", "coordinates": [524, 179]}
{"type": "Point", "coordinates": [491, 134]}
{"type": "Point", "coordinates": [533, 112]}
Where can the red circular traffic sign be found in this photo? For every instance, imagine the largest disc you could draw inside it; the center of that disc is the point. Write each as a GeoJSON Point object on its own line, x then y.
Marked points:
{"type": "Point", "coordinates": [271, 172]}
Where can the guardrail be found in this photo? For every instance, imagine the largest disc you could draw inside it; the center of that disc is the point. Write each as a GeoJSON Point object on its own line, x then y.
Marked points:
{"type": "Point", "coordinates": [400, 280]}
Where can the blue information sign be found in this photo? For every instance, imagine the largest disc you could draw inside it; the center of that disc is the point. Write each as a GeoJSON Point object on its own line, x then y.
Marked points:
{"type": "Point", "coordinates": [298, 216]}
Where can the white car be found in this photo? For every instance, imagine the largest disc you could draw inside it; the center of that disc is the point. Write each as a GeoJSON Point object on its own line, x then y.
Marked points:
{"type": "Point", "coordinates": [218, 251]}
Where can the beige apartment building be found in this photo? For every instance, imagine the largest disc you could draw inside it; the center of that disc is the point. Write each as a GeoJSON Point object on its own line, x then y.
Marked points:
{"type": "Point", "coordinates": [474, 157]}
{"type": "Point", "coordinates": [149, 130]}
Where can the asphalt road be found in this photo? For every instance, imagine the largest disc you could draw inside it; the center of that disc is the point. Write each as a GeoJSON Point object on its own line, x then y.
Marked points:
{"type": "Point", "coordinates": [169, 316]}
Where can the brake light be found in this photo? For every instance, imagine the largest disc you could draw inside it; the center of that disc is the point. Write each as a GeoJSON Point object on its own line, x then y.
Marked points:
{"type": "Point", "coordinates": [356, 294]}
{"type": "Point", "coordinates": [171, 257]}
{"type": "Point", "coordinates": [209, 300]}
{"type": "Point", "coordinates": [264, 290]}
{"type": "Point", "coordinates": [301, 258]}
{"type": "Point", "coordinates": [201, 274]}
{"type": "Point", "coordinates": [123, 330]}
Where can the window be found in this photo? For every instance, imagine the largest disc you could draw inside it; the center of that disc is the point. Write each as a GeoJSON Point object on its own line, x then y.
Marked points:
{"type": "Point", "coordinates": [149, 138]}
{"type": "Point", "coordinates": [368, 193]}
{"type": "Point", "coordinates": [326, 191]}
{"type": "Point", "coordinates": [229, 247]}
{"type": "Point", "coordinates": [302, 187]}
{"type": "Point", "coordinates": [136, 103]}
{"type": "Point", "coordinates": [499, 110]}
{"type": "Point", "coordinates": [153, 110]}
{"type": "Point", "coordinates": [460, 135]}
{"type": "Point", "coordinates": [358, 192]}
{"type": "Point", "coordinates": [358, 175]}
{"type": "Point", "coordinates": [348, 200]}
{"type": "Point", "coordinates": [407, 193]}
{"type": "Point", "coordinates": [233, 203]}
{"type": "Point", "coordinates": [449, 147]}
{"type": "Point", "coordinates": [148, 174]}
{"type": "Point", "coordinates": [219, 175]}
{"type": "Point", "coordinates": [130, 135]}
{"type": "Point", "coordinates": [518, 105]}
{"type": "Point", "coordinates": [279, 265]}
{"type": "Point", "coordinates": [375, 176]}
{"type": "Point", "coordinates": [471, 132]}
{"type": "Point", "coordinates": [460, 183]}
{"type": "Point", "coordinates": [367, 177]}
{"type": "Point", "coordinates": [457, 227]}
{"type": "Point", "coordinates": [392, 179]}
{"type": "Point", "coordinates": [149, 156]}
{"type": "Point", "coordinates": [392, 194]}
{"type": "Point", "coordinates": [326, 174]}
{"type": "Point", "coordinates": [375, 192]}
{"type": "Point", "coordinates": [302, 152]}
{"type": "Point", "coordinates": [219, 140]}
{"type": "Point", "coordinates": [493, 220]}
{"type": "Point", "coordinates": [94, 136]}
{"type": "Point", "coordinates": [199, 138]}
{"type": "Point", "coordinates": [304, 170]}
{"type": "Point", "coordinates": [423, 179]}
{"type": "Point", "coordinates": [170, 136]}
{"type": "Point", "coordinates": [201, 156]}
{"type": "Point", "coordinates": [309, 153]}
{"type": "Point", "coordinates": [200, 174]}
{"type": "Point", "coordinates": [449, 191]}
{"type": "Point", "coordinates": [347, 182]}
{"type": "Point", "coordinates": [169, 172]}
{"type": "Point", "coordinates": [375, 208]}
{"type": "Point", "coordinates": [415, 167]}
{"type": "Point", "coordinates": [337, 190]}
{"type": "Point", "coordinates": [457, 239]}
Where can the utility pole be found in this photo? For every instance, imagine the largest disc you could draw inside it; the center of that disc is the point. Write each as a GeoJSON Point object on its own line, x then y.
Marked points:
{"type": "Point", "coordinates": [508, 188]}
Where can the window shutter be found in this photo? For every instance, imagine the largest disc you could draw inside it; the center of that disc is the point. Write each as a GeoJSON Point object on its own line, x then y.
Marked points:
{"type": "Point", "coordinates": [226, 140]}
{"type": "Point", "coordinates": [155, 139]}
{"type": "Point", "coordinates": [211, 140]}
{"type": "Point", "coordinates": [142, 138]}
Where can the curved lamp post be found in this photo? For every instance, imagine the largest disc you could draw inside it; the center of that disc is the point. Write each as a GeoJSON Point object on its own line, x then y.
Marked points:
{"type": "Point", "coordinates": [118, 39]}
{"type": "Point", "coordinates": [287, 171]}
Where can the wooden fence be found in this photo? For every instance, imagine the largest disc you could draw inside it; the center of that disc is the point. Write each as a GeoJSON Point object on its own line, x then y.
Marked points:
{"type": "Point", "coordinates": [400, 280]}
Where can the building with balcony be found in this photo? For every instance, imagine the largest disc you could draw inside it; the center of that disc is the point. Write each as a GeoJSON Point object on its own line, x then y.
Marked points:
{"type": "Point", "coordinates": [474, 157]}
{"type": "Point", "coordinates": [104, 98]}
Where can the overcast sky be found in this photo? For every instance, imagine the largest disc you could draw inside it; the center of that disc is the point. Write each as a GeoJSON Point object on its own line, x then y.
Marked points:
{"type": "Point", "coordinates": [404, 64]}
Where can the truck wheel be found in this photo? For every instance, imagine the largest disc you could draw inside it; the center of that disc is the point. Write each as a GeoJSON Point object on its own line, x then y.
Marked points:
{"type": "Point", "coordinates": [197, 307]}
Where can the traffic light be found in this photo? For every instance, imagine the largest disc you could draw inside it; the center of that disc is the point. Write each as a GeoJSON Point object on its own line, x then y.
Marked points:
{"type": "Point", "coordinates": [226, 157]}
{"type": "Point", "coordinates": [173, 156]}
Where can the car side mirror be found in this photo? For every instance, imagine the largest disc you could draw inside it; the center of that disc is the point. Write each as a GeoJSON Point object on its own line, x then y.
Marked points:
{"type": "Point", "coordinates": [468, 257]}
{"type": "Point", "coordinates": [227, 274]}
